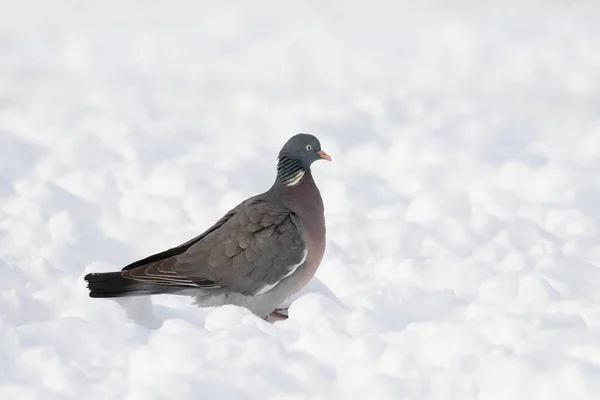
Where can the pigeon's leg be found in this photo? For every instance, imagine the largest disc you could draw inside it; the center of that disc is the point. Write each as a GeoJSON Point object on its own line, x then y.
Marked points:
{"type": "Point", "coordinates": [278, 314]}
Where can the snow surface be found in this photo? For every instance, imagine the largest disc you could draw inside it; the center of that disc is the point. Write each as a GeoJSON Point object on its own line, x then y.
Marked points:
{"type": "Point", "coordinates": [463, 202]}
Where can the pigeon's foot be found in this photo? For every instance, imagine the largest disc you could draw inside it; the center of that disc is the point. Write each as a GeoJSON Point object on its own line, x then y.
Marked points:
{"type": "Point", "coordinates": [280, 313]}
{"type": "Point", "coordinates": [277, 315]}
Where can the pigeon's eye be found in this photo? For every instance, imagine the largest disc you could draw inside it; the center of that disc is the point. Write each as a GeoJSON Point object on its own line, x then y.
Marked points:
{"type": "Point", "coordinates": [308, 147]}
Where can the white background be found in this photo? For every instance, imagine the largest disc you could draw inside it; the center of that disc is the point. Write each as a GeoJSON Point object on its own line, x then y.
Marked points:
{"type": "Point", "coordinates": [462, 205]}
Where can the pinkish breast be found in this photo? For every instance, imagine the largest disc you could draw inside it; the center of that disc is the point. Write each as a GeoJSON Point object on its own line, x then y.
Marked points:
{"type": "Point", "coordinates": [306, 202]}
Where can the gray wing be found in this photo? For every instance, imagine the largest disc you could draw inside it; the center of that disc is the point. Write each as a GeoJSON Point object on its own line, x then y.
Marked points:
{"type": "Point", "coordinates": [250, 250]}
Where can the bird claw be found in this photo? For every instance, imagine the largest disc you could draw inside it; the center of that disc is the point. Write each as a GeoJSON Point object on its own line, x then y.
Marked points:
{"type": "Point", "coordinates": [277, 315]}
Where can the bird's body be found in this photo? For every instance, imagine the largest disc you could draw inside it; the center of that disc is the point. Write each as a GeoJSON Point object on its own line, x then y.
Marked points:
{"type": "Point", "coordinates": [257, 255]}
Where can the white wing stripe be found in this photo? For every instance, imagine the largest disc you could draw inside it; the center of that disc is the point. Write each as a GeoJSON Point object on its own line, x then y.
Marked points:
{"type": "Point", "coordinates": [293, 269]}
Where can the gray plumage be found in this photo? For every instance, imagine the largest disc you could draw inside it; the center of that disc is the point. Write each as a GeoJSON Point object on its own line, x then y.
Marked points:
{"type": "Point", "coordinates": [259, 253]}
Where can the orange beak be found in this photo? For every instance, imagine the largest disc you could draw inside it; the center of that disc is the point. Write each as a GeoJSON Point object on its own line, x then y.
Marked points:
{"type": "Point", "coordinates": [324, 155]}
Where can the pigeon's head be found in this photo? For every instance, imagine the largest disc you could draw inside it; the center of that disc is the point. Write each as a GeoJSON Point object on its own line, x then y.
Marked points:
{"type": "Point", "coordinates": [305, 148]}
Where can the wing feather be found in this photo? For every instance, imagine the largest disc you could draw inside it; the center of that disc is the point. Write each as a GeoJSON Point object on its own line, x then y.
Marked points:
{"type": "Point", "coordinates": [251, 249]}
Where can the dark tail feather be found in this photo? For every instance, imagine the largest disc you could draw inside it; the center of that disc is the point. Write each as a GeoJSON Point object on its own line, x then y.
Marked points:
{"type": "Point", "coordinates": [112, 284]}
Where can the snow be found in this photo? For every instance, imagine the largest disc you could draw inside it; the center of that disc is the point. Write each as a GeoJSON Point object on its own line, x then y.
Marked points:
{"type": "Point", "coordinates": [462, 203]}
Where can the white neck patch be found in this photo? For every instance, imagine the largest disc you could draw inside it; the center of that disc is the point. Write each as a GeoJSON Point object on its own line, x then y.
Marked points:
{"type": "Point", "coordinates": [294, 180]}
